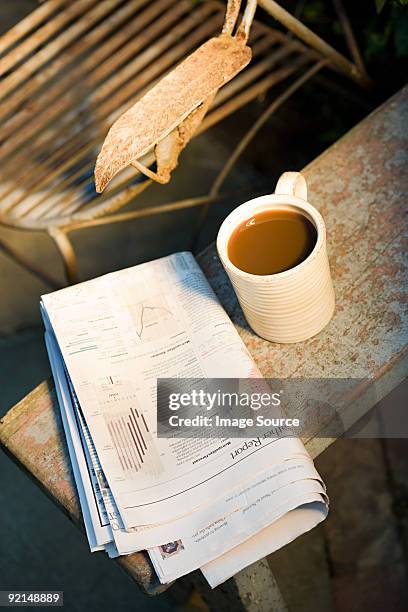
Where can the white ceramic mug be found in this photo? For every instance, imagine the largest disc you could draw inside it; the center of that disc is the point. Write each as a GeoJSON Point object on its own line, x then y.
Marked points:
{"type": "Point", "coordinates": [293, 305]}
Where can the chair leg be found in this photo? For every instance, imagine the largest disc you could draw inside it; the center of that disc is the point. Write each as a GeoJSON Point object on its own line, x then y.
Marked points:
{"type": "Point", "coordinates": [66, 250]}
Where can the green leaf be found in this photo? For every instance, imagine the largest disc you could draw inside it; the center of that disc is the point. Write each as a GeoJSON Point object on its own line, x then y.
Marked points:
{"type": "Point", "coordinates": [377, 40]}
{"type": "Point", "coordinates": [400, 18]}
{"type": "Point", "coordinates": [379, 5]}
{"type": "Point", "coordinates": [313, 11]}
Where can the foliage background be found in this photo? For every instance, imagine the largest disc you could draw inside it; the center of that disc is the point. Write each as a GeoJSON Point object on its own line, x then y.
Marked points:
{"type": "Point", "coordinates": [381, 30]}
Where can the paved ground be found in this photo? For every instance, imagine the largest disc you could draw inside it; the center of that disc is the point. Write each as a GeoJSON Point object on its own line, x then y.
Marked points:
{"type": "Point", "coordinates": [356, 559]}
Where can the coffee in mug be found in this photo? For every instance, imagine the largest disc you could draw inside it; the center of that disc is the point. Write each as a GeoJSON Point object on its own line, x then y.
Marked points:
{"type": "Point", "coordinates": [272, 241]}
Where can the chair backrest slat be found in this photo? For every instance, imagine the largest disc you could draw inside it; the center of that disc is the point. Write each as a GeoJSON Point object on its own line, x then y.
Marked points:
{"type": "Point", "coordinates": [27, 25]}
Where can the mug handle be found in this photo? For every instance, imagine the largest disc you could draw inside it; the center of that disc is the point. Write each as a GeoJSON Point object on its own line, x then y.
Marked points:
{"type": "Point", "coordinates": [293, 184]}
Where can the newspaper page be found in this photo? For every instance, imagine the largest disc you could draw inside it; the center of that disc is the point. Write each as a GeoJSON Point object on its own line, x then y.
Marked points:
{"type": "Point", "coordinates": [117, 334]}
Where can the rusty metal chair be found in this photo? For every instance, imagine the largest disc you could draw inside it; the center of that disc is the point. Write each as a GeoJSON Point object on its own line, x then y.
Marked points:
{"type": "Point", "coordinates": [70, 69]}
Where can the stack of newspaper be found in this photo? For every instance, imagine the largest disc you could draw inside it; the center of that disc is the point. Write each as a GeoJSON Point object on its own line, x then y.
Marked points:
{"type": "Point", "coordinates": [189, 502]}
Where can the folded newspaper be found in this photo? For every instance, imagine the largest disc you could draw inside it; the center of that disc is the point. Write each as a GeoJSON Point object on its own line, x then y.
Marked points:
{"type": "Point", "coordinates": [188, 502]}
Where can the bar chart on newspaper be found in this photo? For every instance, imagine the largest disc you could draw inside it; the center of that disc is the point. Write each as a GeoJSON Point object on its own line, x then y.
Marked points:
{"type": "Point", "coordinates": [127, 425]}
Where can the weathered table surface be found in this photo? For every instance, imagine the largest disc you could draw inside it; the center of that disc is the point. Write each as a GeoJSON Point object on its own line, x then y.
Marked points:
{"type": "Point", "coordinates": [360, 186]}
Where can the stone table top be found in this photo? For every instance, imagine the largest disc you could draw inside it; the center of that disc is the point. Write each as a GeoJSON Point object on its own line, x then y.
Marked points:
{"type": "Point", "coordinates": [360, 186]}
